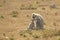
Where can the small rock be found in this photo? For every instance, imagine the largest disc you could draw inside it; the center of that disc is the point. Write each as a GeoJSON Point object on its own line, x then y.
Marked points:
{"type": "Point", "coordinates": [53, 6]}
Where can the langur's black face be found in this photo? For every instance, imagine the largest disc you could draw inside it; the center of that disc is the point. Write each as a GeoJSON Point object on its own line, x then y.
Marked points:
{"type": "Point", "coordinates": [33, 16]}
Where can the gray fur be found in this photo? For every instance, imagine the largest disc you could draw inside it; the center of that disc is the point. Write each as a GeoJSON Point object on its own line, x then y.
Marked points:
{"type": "Point", "coordinates": [31, 25]}
{"type": "Point", "coordinates": [37, 22]}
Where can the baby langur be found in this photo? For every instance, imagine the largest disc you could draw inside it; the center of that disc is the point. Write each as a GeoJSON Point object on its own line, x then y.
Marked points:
{"type": "Point", "coordinates": [31, 25]}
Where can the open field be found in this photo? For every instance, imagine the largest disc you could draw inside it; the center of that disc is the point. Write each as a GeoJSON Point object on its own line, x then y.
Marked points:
{"type": "Point", "coordinates": [15, 16]}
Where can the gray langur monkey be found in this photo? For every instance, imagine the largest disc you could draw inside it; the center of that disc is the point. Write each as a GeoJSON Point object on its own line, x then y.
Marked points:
{"type": "Point", "coordinates": [39, 21]}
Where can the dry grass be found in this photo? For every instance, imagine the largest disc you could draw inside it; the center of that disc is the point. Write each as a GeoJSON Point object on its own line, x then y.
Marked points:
{"type": "Point", "coordinates": [19, 19]}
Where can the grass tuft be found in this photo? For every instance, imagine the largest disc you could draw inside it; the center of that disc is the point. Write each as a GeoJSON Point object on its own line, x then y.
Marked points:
{"type": "Point", "coordinates": [14, 14]}
{"type": "Point", "coordinates": [1, 16]}
{"type": "Point", "coordinates": [29, 32]}
{"type": "Point", "coordinates": [43, 8]}
{"type": "Point", "coordinates": [24, 36]}
{"type": "Point", "coordinates": [35, 36]}
{"type": "Point", "coordinates": [22, 33]}
{"type": "Point", "coordinates": [11, 38]}
{"type": "Point", "coordinates": [37, 2]}
{"type": "Point", "coordinates": [4, 34]}
{"type": "Point", "coordinates": [0, 5]}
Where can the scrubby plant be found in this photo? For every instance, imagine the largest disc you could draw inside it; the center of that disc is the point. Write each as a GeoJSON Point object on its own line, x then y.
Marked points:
{"type": "Point", "coordinates": [29, 31]}
{"type": "Point", "coordinates": [11, 38]}
{"type": "Point", "coordinates": [43, 8]}
{"type": "Point", "coordinates": [37, 2]}
{"type": "Point", "coordinates": [1, 16]}
{"type": "Point", "coordinates": [33, 8]}
{"type": "Point", "coordinates": [5, 37]}
{"type": "Point", "coordinates": [4, 34]}
{"type": "Point", "coordinates": [0, 5]}
{"type": "Point", "coordinates": [22, 33]}
{"type": "Point", "coordinates": [36, 36]}
{"type": "Point", "coordinates": [14, 13]}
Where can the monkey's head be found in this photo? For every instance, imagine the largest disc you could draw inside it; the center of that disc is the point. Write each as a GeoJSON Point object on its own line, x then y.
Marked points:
{"type": "Point", "coordinates": [33, 15]}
